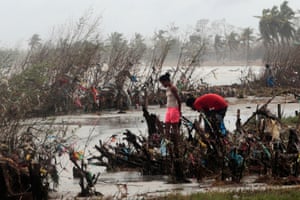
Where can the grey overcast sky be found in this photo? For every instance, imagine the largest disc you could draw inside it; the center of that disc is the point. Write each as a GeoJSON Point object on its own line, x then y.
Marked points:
{"type": "Point", "coordinates": [19, 19]}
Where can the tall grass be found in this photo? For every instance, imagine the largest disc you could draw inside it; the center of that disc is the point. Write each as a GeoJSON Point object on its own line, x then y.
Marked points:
{"type": "Point", "coordinates": [285, 194]}
{"type": "Point", "coordinates": [291, 120]}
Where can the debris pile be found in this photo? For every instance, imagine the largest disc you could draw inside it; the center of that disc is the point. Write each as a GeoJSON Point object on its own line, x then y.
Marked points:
{"type": "Point", "coordinates": [262, 145]}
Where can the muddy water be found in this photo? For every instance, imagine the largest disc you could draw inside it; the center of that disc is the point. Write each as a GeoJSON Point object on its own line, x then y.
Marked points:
{"type": "Point", "coordinates": [87, 130]}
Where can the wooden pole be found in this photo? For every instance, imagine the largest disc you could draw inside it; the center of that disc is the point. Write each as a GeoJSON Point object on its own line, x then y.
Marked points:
{"type": "Point", "coordinates": [238, 120]}
{"type": "Point", "coordinates": [279, 111]}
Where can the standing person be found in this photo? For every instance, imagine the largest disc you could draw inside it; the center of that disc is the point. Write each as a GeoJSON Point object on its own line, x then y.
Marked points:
{"type": "Point", "coordinates": [172, 120]}
{"type": "Point", "coordinates": [173, 113]}
{"type": "Point", "coordinates": [269, 76]}
{"type": "Point", "coordinates": [214, 107]}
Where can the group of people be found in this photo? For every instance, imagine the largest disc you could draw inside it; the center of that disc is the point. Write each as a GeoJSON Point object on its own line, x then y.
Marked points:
{"type": "Point", "coordinates": [77, 91]}
{"type": "Point", "coordinates": [212, 105]}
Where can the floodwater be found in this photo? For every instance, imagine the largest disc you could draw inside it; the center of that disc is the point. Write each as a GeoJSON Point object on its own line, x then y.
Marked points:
{"type": "Point", "coordinates": [226, 75]}
{"type": "Point", "coordinates": [221, 75]}
{"type": "Point", "coordinates": [87, 130]}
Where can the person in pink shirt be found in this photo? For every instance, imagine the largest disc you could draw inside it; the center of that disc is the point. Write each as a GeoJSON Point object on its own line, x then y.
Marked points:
{"type": "Point", "coordinates": [213, 106]}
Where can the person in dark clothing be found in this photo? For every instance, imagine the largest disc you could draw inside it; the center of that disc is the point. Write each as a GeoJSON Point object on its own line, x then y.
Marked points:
{"type": "Point", "coordinates": [269, 76]}
{"type": "Point", "coordinates": [214, 107]}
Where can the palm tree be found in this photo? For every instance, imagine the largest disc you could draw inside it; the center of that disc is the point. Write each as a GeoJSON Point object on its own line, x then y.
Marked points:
{"type": "Point", "coordinates": [34, 41]}
{"type": "Point", "coordinates": [232, 42]}
{"type": "Point", "coordinates": [246, 38]}
{"type": "Point", "coordinates": [269, 25]}
{"type": "Point", "coordinates": [264, 26]}
{"type": "Point", "coordinates": [286, 29]}
{"type": "Point", "coordinates": [276, 24]}
{"type": "Point", "coordinates": [218, 46]}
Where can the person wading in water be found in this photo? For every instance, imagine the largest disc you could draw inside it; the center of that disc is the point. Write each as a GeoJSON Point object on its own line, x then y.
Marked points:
{"type": "Point", "coordinates": [172, 121]}
{"type": "Point", "coordinates": [173, 113]}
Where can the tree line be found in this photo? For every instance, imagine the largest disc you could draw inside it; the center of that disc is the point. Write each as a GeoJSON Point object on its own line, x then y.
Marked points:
{"type": "Point", "coordinates": [78, 52]}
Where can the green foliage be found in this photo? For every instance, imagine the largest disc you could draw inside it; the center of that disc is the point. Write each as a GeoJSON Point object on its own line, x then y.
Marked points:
{"type": "Point", "coordinates": [233, 41]}
{"type": "Point", "coordinates": [284, 194]}
{"type": "Point", "coordinates": [276, 25]}
{"type": "Point", "coordinates": [31, 79]}
{"type": "Point", "coordinates": [290, 120]}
